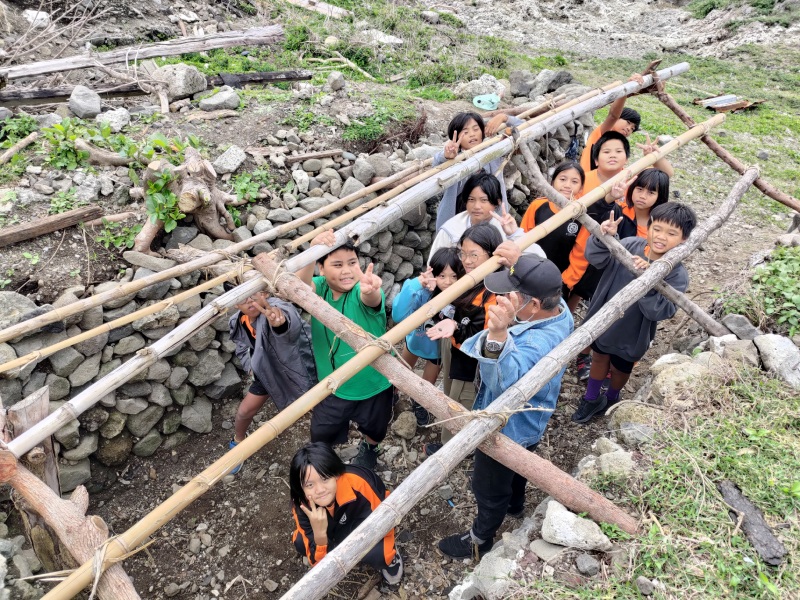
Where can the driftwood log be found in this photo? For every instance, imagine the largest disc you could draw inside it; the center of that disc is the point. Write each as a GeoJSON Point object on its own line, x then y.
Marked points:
{"type": "Point", "coordinates": [195, 184]}
{"type": "Point", "coordinates": [20, 145]}
{"type": "Point", "coordinates": [328, 572]}
{"type": "Point", "coordinates": [27, 231]}
{"type": "Point", "coordinates": [99, 156]}
{"type": "Point", "coordinates": [257, 36]}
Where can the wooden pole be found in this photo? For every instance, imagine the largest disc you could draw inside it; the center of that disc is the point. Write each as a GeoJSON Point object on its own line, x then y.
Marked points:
{"type": "Point", "coordinates": [328, 572]}
{"type": "Point", "coordinates": [272, 428]}
{"type": "Point", "coordinates": [27, 231]}
{"type": "Point", "coordinates": [143, 359]}
{"type": "Point", "coordinates": [256, 36]}
{"type": "Point", "coordinates": [542, 473]}
{"type": "Point", "coordinates": [208, 259]}
{"type": "Point", "coordinates": [111, 325]}
{"type": "Point", "coordinates": [619, 252]}
{"type": "Point", "coordinates": [23, 143]}
{"type": "Point", "coordinates": [734, 163]}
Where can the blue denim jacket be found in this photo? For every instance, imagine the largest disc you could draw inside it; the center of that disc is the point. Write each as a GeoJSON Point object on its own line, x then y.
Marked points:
{"type": "Point", "coordinates": [527, 343]}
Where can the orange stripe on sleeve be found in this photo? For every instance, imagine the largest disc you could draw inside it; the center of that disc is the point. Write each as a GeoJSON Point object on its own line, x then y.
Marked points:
{"type": "Point", "coordinates": [577, 261]}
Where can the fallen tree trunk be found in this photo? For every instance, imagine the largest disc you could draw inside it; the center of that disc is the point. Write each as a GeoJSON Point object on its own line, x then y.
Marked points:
{"type": "Point", "coordinates": [99, 156]}
{"type": "Point", "coordinates": [257, 36]}
{"type": "Point", "coordinates": [336, 564]}
{"type": "Point", "coordinates": [734, 163]}
{"type": "Point", "coordinates": [619, 252]}
{"type": "Point", "coordinates": [17, 97]}
{"type": "Point", "coordinates": [27, 231]}
{"type": "Point", "coordinates": [323, 8]}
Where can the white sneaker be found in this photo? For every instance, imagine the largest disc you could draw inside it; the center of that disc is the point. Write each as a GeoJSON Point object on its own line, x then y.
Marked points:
{"type": "Point", "coordinates": [394, 572]}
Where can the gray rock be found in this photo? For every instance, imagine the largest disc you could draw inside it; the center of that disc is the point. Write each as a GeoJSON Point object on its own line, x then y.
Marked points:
{"type": "Point", "coordinates": [228, 385]}
{"type": "Point", "coordinates": [202, 339]}
{"type": "Point", "coordinates": [158, 371]}
{"type": "Point", "coordinates": [741, 326]}
{"type": "Point", "coordinates": [241, 233]}
{"type": "Point", "coordinates": [113, 314]}
{"type": "Point", "coordinates": [59, 386]}
{"type": "Point", "coordinates": [486, 84]}
{"type": "Point", "coordinates": [351, 186]}
{"type": "Point", "coordinates": [140, 423]}
{"type": "Point", "coordinates": [65, 361]}
{"type": "Point", "coordinates": [114, 451]}
{"type": "Point", "coordinates": [312, 165]}
{"type": "Point", "coordinates": [117, 119]}
{"type": "Point", "coordinates": [381, 165]}
{"type": "Point", "coordinates": [404, 271]}
{"type": "Point", "coordinates": [717, 344]}
{"type": "Point", "coordinates": [189, 306]}
{"type": "Point", "coordinates": [129, 345]}
{"type": "Point", "coordinates": [84, 102]}
{"type": "Point", "coordinates": [160, 396]}
{"type": "Point", "coordinates": [541, 83]}
{"type": "Point", "coordinates": [13, 307]}
{"type": "Point", "coordinates": [262, 226]}
{"type": "Point", "coordinates": [68, 435]}
{"type": "Point", "coordinates": [645, 586]}
{"type": "Point", "coordinates": [492, 577]}
{"type": "Point", "coordinates": [131, 406]}
{"type": "Point", "coordinates": [301, 179]}
{"type": "Point", "coordinates": [673, 386]}
{"type": "Point", "coordinates": [93, 345]}
{"type": "Point", "coordinates": [587, 565]}
{"type": "Point", "coordinates": [336, 81]}
{"type": "Point", "coordinates": [635, 434]}
{"type": "Point", "coordinates": [148, 445]}
{"type": "Point", "coordinates": [280, 215]}
{"type": "Point", "coordinates": [183, 394]}
{"type": "Point", "coordinates": [176, 378]}
{"type": "Point", "coordinates": [564, 528]}
{"type": "Point", "coordinates": [86, 371]}
{"type": "Point", "coordinates": [164, 318]}
{"type": "Point", "coordinates": [114, 425]}
{"type": "Point", "coordinates": [405, 425]}
{"type": "Point", "coordinates": [521, 82]}
{"type": "Point", "coordinates": [5, 113]}
{"type": "Point", "coordinates": [208, 369]}
{"type": "Point", "coordinates": [762, 155]}
{"type": "Point", "coordinates": [171, 422]}
{"type": "Point", "coordinates": [226, 98]}
{"type": "Point", "coordinates": [312, 204]}
{"type": "Point", "coordinates": [176, 439]}
{"type": "Point", "coordinates": [186, 358]}
{"type": "Point", "coordinates": [618, 464]}
{"type": "Point", "coordinates": [430, 16]}
{"type": "Point", "coordinates": [230, 160]}
{"type": "Point", "coordinates": [183, 235]}
{"type": "Point", "coordinates": [363, 171]}
{"type": "Point", "coordinates": [202, 242]}
{"type": "Point", "coordinates": [197, 416]}
{"type": "Point", "coordinates": [87, 446]}
{"type": "Point", "coordinates": [545, 550]}
{"type": "Point", "coordinates": [780, 357]}
{"type": "Point", "coordinates": [155, 264]}
{"type": "Point", "coordinates": [741, 352]}
{"type": "Point", "coordinates": [10, 391]}
{"type": "Point", "coordinates": [71, 476]}
{"type": "Point", "coordinates": [668, 360]}
{"type": "Point", "coordinates": [154, 292]}
{"type": "Point", "coordinates": [182, 80]}
{"type": "Point", "coordinates": [93, 419]}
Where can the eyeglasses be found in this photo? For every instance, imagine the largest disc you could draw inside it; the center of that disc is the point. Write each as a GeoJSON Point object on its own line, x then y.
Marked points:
{"type": "Point", "coordinates": [472, 256]}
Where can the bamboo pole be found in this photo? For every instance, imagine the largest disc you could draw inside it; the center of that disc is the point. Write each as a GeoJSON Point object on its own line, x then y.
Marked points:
{"type": "Point", "coordinates": [729, 159]}
{"type": "Point", "coordinates": [106, 327]}
{"type": "Point", "coordinates": [143, 359]}
{"type": "Point", "coordinates": [126, 289]}
{"type": "Point", "coordinates": [272, 428]}
{"type": "Point", "coordinates": [542, 473]}
{"type": "Point", "coordinates": [331, 569]}
{"type": "Point", "coordinates": [619, 252]}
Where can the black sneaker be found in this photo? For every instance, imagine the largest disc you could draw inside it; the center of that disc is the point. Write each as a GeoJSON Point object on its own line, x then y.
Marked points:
{"type": "Point", "coordinates": [461, 545]}
{"type": "Point", "coordinates": [606, 383]}
{"type": "Point", "coordinates": [432, 448]}
{"type": "Point", "coordinates": [394, 572]}
{"type": "Point", "coordinates": [610, 403]}
{"type": "Point", "coordinates": [367, 456]}
{"type": "Point", "coordinates": [422, 415]}
{"type": "Point", "coordinates": [587, 409]}
{"type": "Point", "coordinates": [515, 513]}
{"type": "Point", "coordinates": [583, 364]}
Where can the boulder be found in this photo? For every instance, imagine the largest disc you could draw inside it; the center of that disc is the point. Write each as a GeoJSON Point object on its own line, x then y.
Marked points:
{"type": "Point", "coordinates": [13, 307]}
{"type": "Point", "coordinates": [87, 370]}
{"type": "Point", "coordinates": [93, 345]}
{"type": "Point", "coordinates": [93, 419]}
{"type": "Point", "coordinates": [485, 84]}
{"type": "Point", "coordinates": [160, 396]}
{"type": "Point", "coordinates": [564, 528]}
{"type": "Point", "coordinates": [141, 423]}
{"type": "Point", "coordinates": [197, 416]}
{"type": "Point", "coordinates": [65, 361]}
{"type": "Point", "coordinates": [87, 446]}
{"type": "Point", "coordinates": [114, 451]}
{"type": "Point", "coordinates": [158, 371]}
{"type": "Point", "coordinates": [618, 464]}
{"type": "Point", "coordinates": [545, 550]}
{"type": "Point", "coordinates": [675, 385]}
{"type": "Point", "coordinates": [227, 385]}
{"type": "Point", "coordinates": [405, 425]}
{"type": "Point", "coordinates": [780, 357]}
{"type": "Point", "coordinates": [59, 386]}
{"type": "Point", "coordinates": [164, 318]}
{"type": "Point", "coordinates": [741, 352]}
{"type": "Point", "coordinates": [84, 102]}
{"type": "Point", "coordinates": [116, 119]}
{"type": "Point", "coordinates": [148, 445]}
{"type": "Point", "coordinates": [129, 345]}
{"type": "Point", "coordinates": [717, 344]}
{"type": "Point", "coordinates": [668, 360]}
{"type": "Point", "coordinates": [301, 179]}
{"type": "Point", "coordinates": [336, 81]}
{"type": "Point", "coordinates": [154, 292]}
{"type": "Point", "coordinates": [182, 80]}
{"type": "Point", "coordinates": [225, 98]}
{"type": "Point", "coordinates": [72, 475]}
{"type": "Point", "coordinates": [230, 160]}
{"type": "Point", "coordinates": [741, 326]}
{"type": "Point", "coordinates": [363, 171]}
{"type": "Point", "coordinates": [381, 165]}
{"type": "Point", "coordinates": [208, 369]}
{"type": "Point", "coordinates": [154, 263]}
{"type": "Point", "coordinates": [114, 425]}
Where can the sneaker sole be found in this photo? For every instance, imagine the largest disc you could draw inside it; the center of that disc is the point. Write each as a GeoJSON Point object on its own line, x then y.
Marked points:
{"type": "Point", "coordinates": [591, 415]}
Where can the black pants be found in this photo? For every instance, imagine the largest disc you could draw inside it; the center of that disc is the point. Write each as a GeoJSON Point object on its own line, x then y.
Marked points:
{"type": "Point", "coordinates": [375, 558]}
{"type": "Point", "coordinates": [498, 490]}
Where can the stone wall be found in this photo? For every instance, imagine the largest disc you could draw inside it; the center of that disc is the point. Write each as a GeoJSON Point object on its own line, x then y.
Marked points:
{"type": "Point", "coordinates": [175, 397]}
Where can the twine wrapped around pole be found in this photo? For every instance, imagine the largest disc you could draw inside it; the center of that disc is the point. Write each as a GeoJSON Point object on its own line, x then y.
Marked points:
{"type": "Point", "coordinates": [321, 579]}
{"type": "Point", "coordinates": [272, 428]}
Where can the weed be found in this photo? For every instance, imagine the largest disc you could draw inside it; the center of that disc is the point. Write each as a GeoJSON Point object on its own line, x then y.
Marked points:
{"type": "Point", "coordinates": [60, 138]}
{"type": "Point", "coordinates": [236, 214]}
{"type": "Point", "coordinates": [33, 257]}
{"type": "Point", "coordinates": [62, 201]}
{"type": "Point", "coordinates": [434, 93]}
{"type": "Point", "coordinates": [117, 235]}
{"type": "Point", "coordinates": [246, 185]}
{"type": "Point", "coordinates": [75, 272]}
{"type": "Point", "coordinates": [14, 168]}
{"type": "Point", "coordinates": [304, 119]}
{"type": "Point", "coordinates": [160, 146]}
{"type": "Point", "coordinates": [4, 282]}
{"type": "Point", "coordinates": [14, 129]}
{"type": "Point", "coordinates": [449, 18]}
{"type": "Point", "coordinates": [161, 203]}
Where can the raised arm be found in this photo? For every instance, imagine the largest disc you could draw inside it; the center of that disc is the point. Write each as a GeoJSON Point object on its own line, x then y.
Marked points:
{"type": "Point", "coordinates": [306, 274]}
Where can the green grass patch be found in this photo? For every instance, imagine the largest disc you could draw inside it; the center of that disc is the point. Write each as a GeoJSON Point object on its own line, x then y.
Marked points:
{"type": "Point", "coordinates": [746, 433]}
{"type": "Point", "coordinates": [226, 60]}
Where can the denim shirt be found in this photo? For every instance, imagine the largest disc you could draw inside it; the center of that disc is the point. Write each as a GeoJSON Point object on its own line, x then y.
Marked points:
{"type": "Point", "coordinates": [526, 344]}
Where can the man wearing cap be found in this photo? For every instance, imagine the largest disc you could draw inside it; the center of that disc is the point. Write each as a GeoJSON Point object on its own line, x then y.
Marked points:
{"type": "Point", "coordinates": [529, 320]}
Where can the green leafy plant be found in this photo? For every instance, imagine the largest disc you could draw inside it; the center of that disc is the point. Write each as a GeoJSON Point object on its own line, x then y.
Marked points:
{"type": "Point", "coordinates": [61, 151]}
{"type": "Point", "coordinates": [246, 185]}
{"type": "Point", "coordinates": [4, 282]}
{"type": "Point", "coordinates": [160, 146]}
{"type": "Point", "coordinates": [236, 214]}
{"type": "Point", "coordinates": [62, 201]}
{"type": "Point", "coordinates": [75, 273]}
{"type": "Point", "coordinates": [117, 235]}
{"type": "Point", "coordinates": [14, 168]}
{"type": "Point", "coordinates": [14, 129]}
{"type": "Point", "coordinates": [33, 257]}
{"type": "Point", "coordinates": [162, 204]}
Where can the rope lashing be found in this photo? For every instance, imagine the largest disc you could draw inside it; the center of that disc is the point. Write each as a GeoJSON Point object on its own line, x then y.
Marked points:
{"type": "Point", "coordinates": [503, 415]}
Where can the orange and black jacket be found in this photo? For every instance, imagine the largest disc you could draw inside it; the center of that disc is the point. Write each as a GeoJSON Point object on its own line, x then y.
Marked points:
{"type": "Point", "coordinates": [471, 319]}
{"type": "Point", "coordinates": [558, 244]}
{"type": "Point", "coordinates": [358, 492]}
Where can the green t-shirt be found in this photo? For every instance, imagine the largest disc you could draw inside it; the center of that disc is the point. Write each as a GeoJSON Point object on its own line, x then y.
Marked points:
{"type": "Point", "coordinates": [330, 352]}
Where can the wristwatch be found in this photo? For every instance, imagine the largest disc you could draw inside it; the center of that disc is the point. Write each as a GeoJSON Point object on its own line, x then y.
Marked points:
{"type": "Point", "coordinates": [493, 346]}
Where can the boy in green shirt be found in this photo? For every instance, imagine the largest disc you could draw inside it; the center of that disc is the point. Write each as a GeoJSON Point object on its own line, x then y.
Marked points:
{"type": "Point", "coordinates": [366, 398]}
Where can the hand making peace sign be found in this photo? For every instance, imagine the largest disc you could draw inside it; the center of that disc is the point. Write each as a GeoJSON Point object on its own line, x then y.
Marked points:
{"type": "Point", "coordinates": [427, 280]}
{"type": "Point", "coordinates": [648, 147]}
{"type": "Point", "coordinates": [318, 518]}
{"type": "Point", "coordinates": [370, 283]}
{"type": "Point", "coordinates": [274, 315]}
{"type": "Point", "coordinates": [609, 226]}
{"type": "Point", "coordinates": [507, 222]}
{"type": "Point", "coordinates": [452, 146]}
{"type": "Point", "coordinates": [618, 189]}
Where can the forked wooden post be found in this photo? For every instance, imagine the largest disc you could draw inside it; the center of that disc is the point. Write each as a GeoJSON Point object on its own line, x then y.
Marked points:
{"type": "Point", "coordinates": [620, 253]}
{"type": "Point", "coordinates": [272, 428]}
{"type": "Point", "coordinates": [327, 573]}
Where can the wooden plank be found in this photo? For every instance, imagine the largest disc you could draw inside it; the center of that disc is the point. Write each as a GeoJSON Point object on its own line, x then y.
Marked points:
{"type": "Point", "coordinates": [266, 150]}
{"type": "Point", "coordinates": [27, 231]}
{"type": "Point", "coordinates": [18, 97]}
{"type": "Point", "coordinates": [323, 8]}
{"type": "Point", "coordinates": [323, 154]}
{"type": "Point", "coordinates": [258, 36]}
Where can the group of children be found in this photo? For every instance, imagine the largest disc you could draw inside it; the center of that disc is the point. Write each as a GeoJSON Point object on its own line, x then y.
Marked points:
{"type": "Point", "coordinates": [287, 356]}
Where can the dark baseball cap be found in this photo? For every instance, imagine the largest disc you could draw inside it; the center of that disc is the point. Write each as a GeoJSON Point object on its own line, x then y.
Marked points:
{"type": "Point", "coordinates": [532, 275]}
